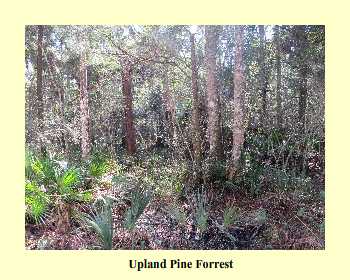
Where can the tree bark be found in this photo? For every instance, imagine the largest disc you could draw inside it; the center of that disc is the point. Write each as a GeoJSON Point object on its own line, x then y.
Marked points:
{"type": "Point", "coordinates": [196, 127]}
{"type": "Point", "coordinates": [238, 104]}
{"type": "Point", "coordinates": [130, 133]}
{"type": "Point", "coordinates": [39, 89]}
{"type": "Point", "coordinates": [213, 129]}
{"type": "Point", "coordinates": [84, 108]}
{"type": "Point", "coordinates": [278, 87]}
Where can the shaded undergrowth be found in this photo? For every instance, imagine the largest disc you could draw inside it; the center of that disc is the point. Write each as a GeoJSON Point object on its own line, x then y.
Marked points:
{"type": "Point", "coordinates": [149, 202]}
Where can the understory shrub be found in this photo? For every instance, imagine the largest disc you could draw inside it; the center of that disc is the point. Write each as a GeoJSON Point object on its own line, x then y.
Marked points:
{"type": "Point", "coordinates": [282, 179]}
{"type": "Point", "coordinates": [215, 171]}
{"type": "Point", "coordinates": [45, 170]}
{"type": "Point", "coordinates": [101, 222]}
{"type": "Point", "coordinates": [201, 212]}
{"type": "Point", "coordinates": [37, 202]}
{"type": "Point", "coordinates": [98, 165]}
{"type": "Point", "coordinates": [253, 178]}
{"type": "Point", "coordinates": [231, 215]}
{"type": "Point", "coordinates": [139, 201]}
{"type": "Point", "coordinates": [52, 184]}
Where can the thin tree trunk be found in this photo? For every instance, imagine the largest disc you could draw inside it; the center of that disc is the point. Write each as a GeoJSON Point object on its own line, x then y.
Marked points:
{"type": "Point", "coordinates": [213, 130]}
{"type": "Point", "coordinates": [278, 88]}
{"type": "Point", "coordinates": [130, 133]}
{"type": "Point", "coordinates": [238, 104]}
{"type": "Point", "coordinates": [196, 127]}
{"type": "Point", "coordinates": [84, 108]}
{"type": "Point", "coordinates": [39, 89]}
{"type": "Point", "coordinates": [263, 75]}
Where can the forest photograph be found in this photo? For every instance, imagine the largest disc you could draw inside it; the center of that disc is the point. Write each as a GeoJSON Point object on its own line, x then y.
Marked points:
{"type": "Point", "coordinates": [174, 137]}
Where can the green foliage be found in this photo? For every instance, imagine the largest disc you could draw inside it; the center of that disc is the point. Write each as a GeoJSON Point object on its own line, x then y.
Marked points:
{"type": "Point", "coordinates": [164, 177]}
{"type": "Point", "coordinates": [277, 177]}
{"type": "Point", "coordinates": [287, 180]}
{"type": "Point", "coordinates": [215, 171]}
{"type": "Point", "coordinates": [276, 136]}
{"type": "Point", "coordinates": [98, 166]}
{"type": "Point", "coordinates": [231, 215]}
{"type": "Point", "coordinates": [68, 180]}
{"type": "Point", "coordinates": [37, 202]}
{"type": "Point", "coordinates": [119, 179]}
{"type": "Point", "coordinates": [67, 186]}
{"type": "Point", "coordinates": [44, 169]}
{"type": "Point", "coordinates": [301, 182]}
{"type": "Point", "coordinates": [56, 184]}
{"type": "Point", "coordinates": [271, 159]}
{"type": "Point", "coordinates": [101, 222]}
{"type": "Point", "coordinates": [28, 164]}
{"type": "Point", "coordinates": [84, 196]}
{"type": "Point", "coordinates": [253, 178]}
{"type": "Point", "coordinates": [201, 210]}
{"type": "Point", "coordinates": [176, 213]}
{"type": "Point", "coordinates": [257, 144]}
{"type": "Point", "coordinates": [139, 201]}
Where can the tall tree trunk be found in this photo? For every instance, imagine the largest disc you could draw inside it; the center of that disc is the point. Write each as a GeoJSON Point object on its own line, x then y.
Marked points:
{"type": "Point", "coordinates": [238, 104]}
{"type": "Point", "coordinates": [130, 133]}
{"type": "Point", "coordinates": [196, 127]}
{"type": "Point", "coordinates": [278, 88]}
{"type": "Point", "coordinates": [213, 130]}
{"type": "Point", "coordinates": [263, 75]}
{"type": "Point", "coordinates": [84, 108]}
{"type": "Point", "coordinates": [39, 89]}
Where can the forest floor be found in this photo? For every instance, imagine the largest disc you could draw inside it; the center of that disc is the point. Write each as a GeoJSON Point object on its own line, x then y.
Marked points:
{"type": "Point", "coordinates": [277, 218]}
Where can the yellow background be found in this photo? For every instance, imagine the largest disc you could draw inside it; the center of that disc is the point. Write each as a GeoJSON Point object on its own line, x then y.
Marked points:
{"type": "Point", "coordinates": [17, 263]}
